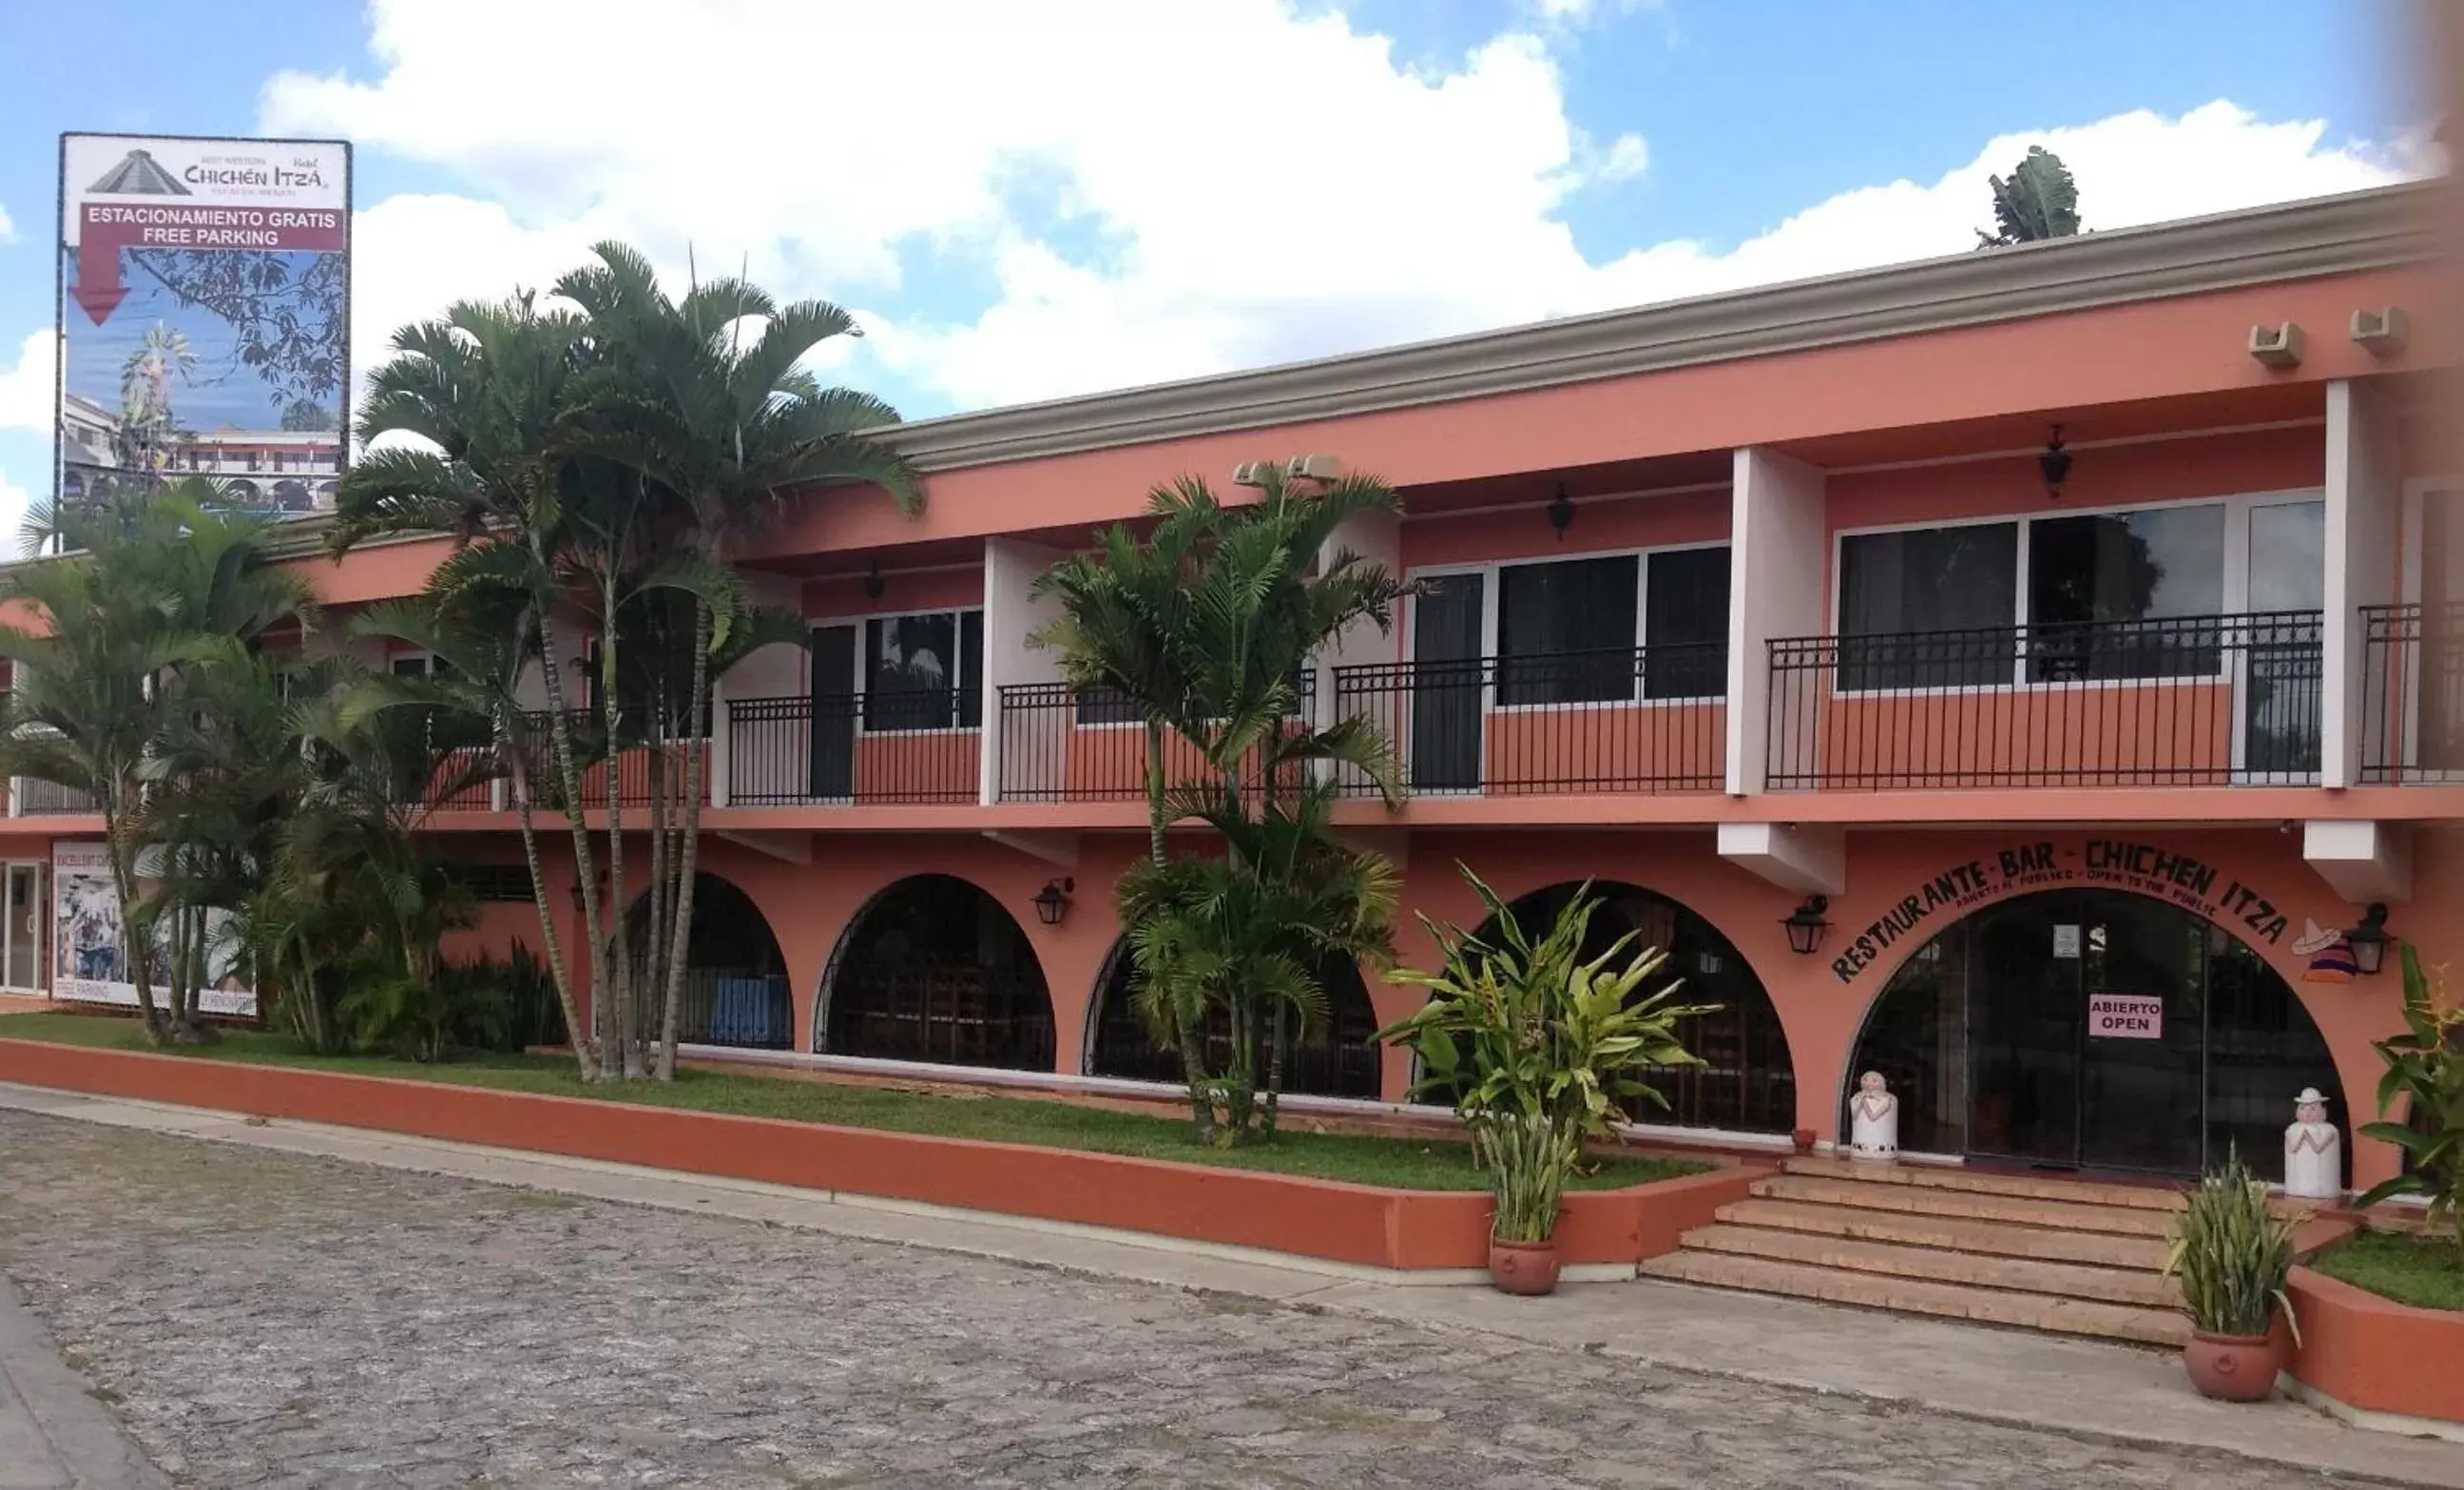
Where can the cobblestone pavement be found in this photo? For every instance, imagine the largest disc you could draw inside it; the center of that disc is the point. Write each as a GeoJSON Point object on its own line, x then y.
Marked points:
{"type": "Point", "coordinates": [261, 1319]}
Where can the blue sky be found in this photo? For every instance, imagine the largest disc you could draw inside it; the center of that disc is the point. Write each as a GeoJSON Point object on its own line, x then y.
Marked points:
{"type": "Point", "coordinates": [1129, 191]}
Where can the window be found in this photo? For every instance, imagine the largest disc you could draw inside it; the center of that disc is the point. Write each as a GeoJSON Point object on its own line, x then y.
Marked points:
{"type": "Point", "coordinates": [1566, 630]}
{"type": "Point", "coordinates": [1685, 624]}
{"type": "Point", "coordinates": [1929, 607]}
{"type": "Point", "coordinates": [2108, 595]}
{"type": "Point", "coordinates": [924, 671]}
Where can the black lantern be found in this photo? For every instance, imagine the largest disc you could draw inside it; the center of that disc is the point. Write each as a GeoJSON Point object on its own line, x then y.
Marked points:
{"type": "Point", "coordinates": [1561, 511]}
{"type": "Point", "coordinates": [873, 583]}
{"type": "Point", "coordinates": [1805, 925]}
{"type": "Point", "coordinates": [2055, 464]}
{"type": "Point", "coordinates": [1052, 901]}
{"type": "Point", "coordinates": [2370, 939]}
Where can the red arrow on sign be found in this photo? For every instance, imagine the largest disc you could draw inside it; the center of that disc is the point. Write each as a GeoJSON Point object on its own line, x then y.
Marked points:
{"type": "Point", "coordinates": [98, 288]}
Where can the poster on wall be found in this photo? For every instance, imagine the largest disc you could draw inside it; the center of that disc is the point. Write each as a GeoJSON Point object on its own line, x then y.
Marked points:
{"type": "Point", "coordinates": [90, 953]}
{"type": "Point", "coordinates": [204, 317]}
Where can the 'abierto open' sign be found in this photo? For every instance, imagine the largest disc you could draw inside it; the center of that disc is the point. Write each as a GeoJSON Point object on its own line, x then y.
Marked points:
{"type": "Point", "coordinates": [2125, 1016]}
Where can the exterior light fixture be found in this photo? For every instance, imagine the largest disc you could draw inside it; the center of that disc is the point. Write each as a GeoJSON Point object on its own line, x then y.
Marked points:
{"type": "Point", "coordinates": [1561, 512]}
{"type": "Point", "coordinates": [2370, 939]}
{"type": "Point", "coordinates": [873, 583]}
{"type": "Point", "coordinates": [2055, 464]}
{"type": "Point", "coordinates": [1052, 901]}
{"type": "Point", "coordinates": [1806, 925]}
{"type": "Point", "coordinates": [577, 903]}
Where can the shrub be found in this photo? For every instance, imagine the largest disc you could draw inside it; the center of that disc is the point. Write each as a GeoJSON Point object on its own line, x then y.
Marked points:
{"type": "Point", "coordinates": [2425, 1066]}
{"type": "Point", "coordinates": [2232, 1253]}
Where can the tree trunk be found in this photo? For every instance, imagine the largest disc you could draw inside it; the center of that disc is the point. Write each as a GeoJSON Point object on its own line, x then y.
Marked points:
{"type": "Point", "coordinates": [585, 871]}
{"type": "Point", "coordinates": [132, 939]}
{"type": "Point", "coordinates": [624, 1060]}
{"type": "Point", "coordinates": [689, 850]}
{"type": "Point", "coordinates": [1193, 1037]}
{"type": "Point", "coordinates": [1276, 1042]}
{"type": "Point", "coordinates": [518, 768]}
{"type": "Point", "coordinates": [650, 958]}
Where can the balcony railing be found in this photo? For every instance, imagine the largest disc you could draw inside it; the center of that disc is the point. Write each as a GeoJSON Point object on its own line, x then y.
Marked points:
{"type": "Point", "coordinates": [1628, 720]}
{"type": "Point", "coordinates": [33, 798]}
{"type": "Point", "coordinates": [1059, 744]}
{"type": "Point", "coordinates": [922, 746]}
{"type": "Point", "coordinates": [631, 765]}
{"type": "Point", "coordinates": [2413, 694]}
{"type": "Point", "coordinates": [2181, 701]}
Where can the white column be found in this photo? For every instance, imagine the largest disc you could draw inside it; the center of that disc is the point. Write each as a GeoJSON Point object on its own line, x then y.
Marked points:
{"type": "Point", "coordinates": [1777, 563]}
{"type": "Point", "coordinates": [2364, 511]}
{"type": "Point", "coordinates": [1011, 614]}
{"type": "Point", "coordinates": [1376, 537]}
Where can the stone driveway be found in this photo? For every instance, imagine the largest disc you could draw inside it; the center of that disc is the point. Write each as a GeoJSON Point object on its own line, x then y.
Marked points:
{"type": "Point", "coordinates": [265, 1319]}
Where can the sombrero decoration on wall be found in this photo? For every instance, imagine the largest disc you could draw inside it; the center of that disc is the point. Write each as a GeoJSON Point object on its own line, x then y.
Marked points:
{"type": "Point", "coordinates": [2330, 952]}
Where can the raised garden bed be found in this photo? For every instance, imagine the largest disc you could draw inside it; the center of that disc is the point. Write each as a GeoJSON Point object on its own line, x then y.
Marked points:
{"type": "Point", "coordinates": [2369, 1351]}
{"type": "Point", "coordinates": [1379, 1202]}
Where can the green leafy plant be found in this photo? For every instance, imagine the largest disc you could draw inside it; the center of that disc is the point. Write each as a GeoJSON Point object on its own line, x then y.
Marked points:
{"type": "Point", "coordinates": [2425, 1066]}
{"type": "Point", "coordinates": [1539, 1046]}
{"type": "Point", "coordinates": [2232, 1253]}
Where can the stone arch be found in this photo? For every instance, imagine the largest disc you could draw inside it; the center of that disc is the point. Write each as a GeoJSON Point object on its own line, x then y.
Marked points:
{"type": "Point", "coordinates": [736, 989]}
{"type": "Point", "coordinates": [1919, 1029]}
{"type": "Point", "coordinates": [934, 968]}
{"type": "Point", "coordinates": [1748, 1081]}
{"type": "Point", "coordinates": [1341, 1060]}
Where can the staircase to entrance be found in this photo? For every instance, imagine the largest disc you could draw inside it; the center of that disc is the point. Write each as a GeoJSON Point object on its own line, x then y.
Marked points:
{"type": "Point", "coordinates": [2072, 1256]}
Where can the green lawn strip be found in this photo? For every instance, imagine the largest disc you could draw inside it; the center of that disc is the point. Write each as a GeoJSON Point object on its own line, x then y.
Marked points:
{"type": "Point", "coordinates": [2421, 1271]}
{"type": "Point", "coordinates": [1398, 1163]}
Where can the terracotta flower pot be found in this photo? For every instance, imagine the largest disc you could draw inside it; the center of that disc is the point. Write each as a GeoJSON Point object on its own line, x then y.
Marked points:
{"type": "Point", "coordinates": [1522, 1267]}
{"type": "Point", "coordinates": [1803, 1139]}
{"type": "Point", "coordinates": [2231, 1368]}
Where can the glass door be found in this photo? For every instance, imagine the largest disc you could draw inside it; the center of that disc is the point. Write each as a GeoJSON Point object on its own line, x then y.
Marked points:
{"type": "Point", "coordinates": [834, 711]}
{"type": "Point", "coordinates": [2144, 1041]}
{"type": "Point", "coordinates": [2024, 1019]}
{"type": "Point", "coordinates": [21, 941]}
{"type": "Point", "coordinates": [1447, 689]}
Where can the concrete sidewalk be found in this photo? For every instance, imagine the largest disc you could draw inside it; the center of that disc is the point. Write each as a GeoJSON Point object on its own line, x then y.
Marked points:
{"type": "Point", "coordinates": [54, 1435]}
{"type": "Point", "coordinates": [2077, 1387]}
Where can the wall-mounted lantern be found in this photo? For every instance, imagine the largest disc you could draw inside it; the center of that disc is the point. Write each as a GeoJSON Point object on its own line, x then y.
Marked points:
{"type": "Point", "coordinates": [873, 584]}
{"type": "Point", "coordinates": [2370, 939]}
{"type": "Point", "coordinates": [1806, 925]}
{"type": "Point", "coordinates": [2055, 465]}
{"type": "Point", "coordinates": [1052, 901]}
{"type": "Point", "coordinates": [1561, 512]}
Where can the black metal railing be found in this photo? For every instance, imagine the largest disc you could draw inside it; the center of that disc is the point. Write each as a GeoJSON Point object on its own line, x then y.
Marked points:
{"type": "Point", "coordinates": [1059, 744]}
{"type": "Point", "coordinates": [852, 748]}
{"type": "Point", "coordinates": [2184, 700]}
{"type": "Point", "coordinates": [631, 762]}
{"type": "Point", "coordinates": [2413, 694]}
{"type": "Point", "coordinates": [1641, 718]}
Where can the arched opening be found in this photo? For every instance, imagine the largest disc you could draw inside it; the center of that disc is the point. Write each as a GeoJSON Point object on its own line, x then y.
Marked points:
{"type": "Point", "coordinates": [1339, 1058]}
{"type": "Point", "coordinates": [736, 988]}
{"type": "Point", "coordinates": [934, 969]}
{"type": "Point", "coordinates": [2094, 1030]}
{"type": "Point", "coordinates": [1747, 1082]}
{"type": "Point", "coordinates": [291, 495]}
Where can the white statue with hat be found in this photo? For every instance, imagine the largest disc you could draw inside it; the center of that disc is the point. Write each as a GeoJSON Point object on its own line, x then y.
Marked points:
{"type": "Point", "coordinates": [2314, 1151]}
{"type": "Point", "coordinates": [1873, 1120]}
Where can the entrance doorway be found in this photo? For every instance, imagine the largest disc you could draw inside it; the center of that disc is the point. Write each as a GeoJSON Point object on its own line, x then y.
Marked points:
{"type": "Point", "coordinates": [2094, 1030]}
{"type": "Point", "coordinates": [22, 938]}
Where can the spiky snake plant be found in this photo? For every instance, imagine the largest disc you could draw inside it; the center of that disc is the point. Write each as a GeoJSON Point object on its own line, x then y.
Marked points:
{"type": "Point", "coordinates": [2232, 1253]}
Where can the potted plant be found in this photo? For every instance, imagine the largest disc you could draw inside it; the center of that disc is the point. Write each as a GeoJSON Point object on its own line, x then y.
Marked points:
{"type": "Point", "coordinates": [2232, 1253]}
{"type": "Point", "coordinates": [1536, 1046]}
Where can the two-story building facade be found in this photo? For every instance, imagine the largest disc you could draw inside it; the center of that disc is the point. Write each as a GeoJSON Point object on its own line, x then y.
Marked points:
{"type": "Point", "coordinates": [2015, 674]}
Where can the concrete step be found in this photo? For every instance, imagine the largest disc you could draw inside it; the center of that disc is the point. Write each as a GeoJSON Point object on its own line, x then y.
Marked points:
{"type": "Point", "coordinates": [1927, 1200]}
{"type": "Point", "coordinates": [1988, 1182]}
{"type": "Point", "coordinates": [1919, 1296]}
{"type": "Point", "coordinates": [1975, 1270]}
{"type": "Point", "coordinates": [1914, 1228]}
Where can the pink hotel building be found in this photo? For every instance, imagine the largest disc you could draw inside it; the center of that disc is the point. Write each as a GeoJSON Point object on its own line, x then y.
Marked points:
{"type": "Point", "coordinates": [1933, 658]}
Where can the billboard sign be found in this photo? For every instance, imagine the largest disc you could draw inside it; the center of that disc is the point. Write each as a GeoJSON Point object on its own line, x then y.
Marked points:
{"type": "Point", "coordinates": [204, 317]}
{"type": "Point", "coordinates": [90, 943]}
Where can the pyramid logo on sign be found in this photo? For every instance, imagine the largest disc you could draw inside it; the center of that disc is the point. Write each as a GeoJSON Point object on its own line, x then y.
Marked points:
{"type": "Point", "coordinates": [138, 175]}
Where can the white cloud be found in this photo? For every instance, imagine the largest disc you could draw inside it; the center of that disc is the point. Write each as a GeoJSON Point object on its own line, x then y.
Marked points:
{"type": "Point", "coordinates": [8, 229]}
{"type": "Point", "coordinates": [30, 386]}
{"type": "Point", "coordinates": [1152, 190]}
{"type": "Point", "coordinates": [1627, 157]}
{"type": "Point", "coordinates": [12, 515]}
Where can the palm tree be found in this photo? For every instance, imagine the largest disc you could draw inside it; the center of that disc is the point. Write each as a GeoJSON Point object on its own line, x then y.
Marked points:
{"type": "Point", "coordinates": [729, 424]}
{"type": "Point", "coordinates": [135, 635]}
{"type": "Point", "coordinates": [471, 429]}
{"type": "Point", "coordinates": [2037, 201]}
{"type": "Point", "coordinates": [1210, 626]}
